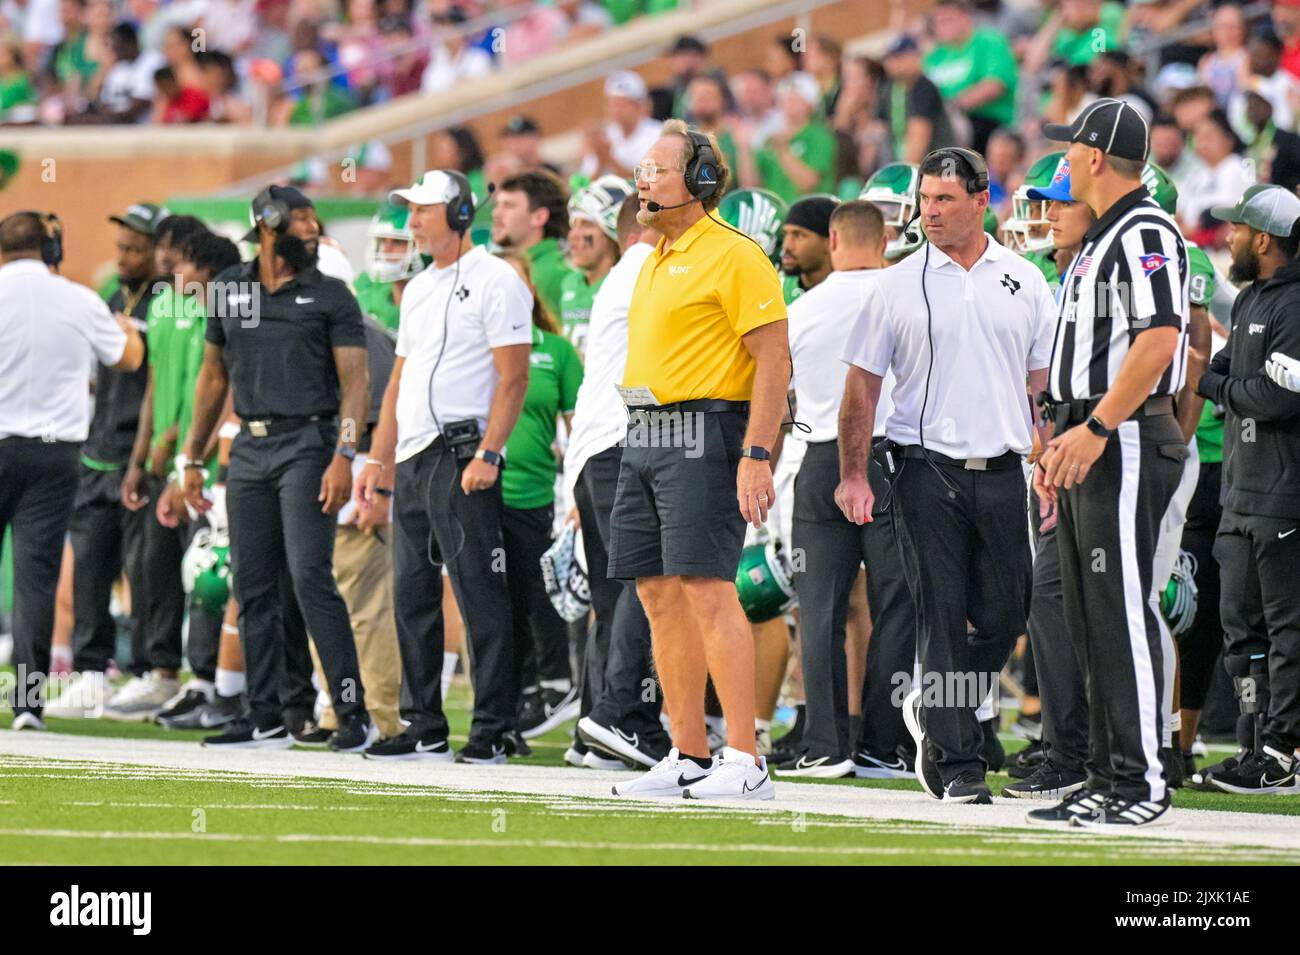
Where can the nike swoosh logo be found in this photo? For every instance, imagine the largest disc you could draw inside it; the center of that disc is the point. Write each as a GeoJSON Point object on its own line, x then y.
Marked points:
{"type": "Point", "coordinates": [258, 734]}
{"type": "Point", "coordinates": [1276, 782]}
{"type": "Point", "coordinates": [806, 763]}
{"type": "Point", "coordinates": [747, 788]}
{"type": "Point", "coordinates": [1280, 535]}
{"type": "Point", "coordinates": [766, 304]}
{"type": "Point", "coordinates": [683, 781]}
{"type": "Point", "coordinates": [421, 748]}
{"type": "Point", "coordinates": [303, 301]}
{"type": "Point", "coordinates": [634, 739]}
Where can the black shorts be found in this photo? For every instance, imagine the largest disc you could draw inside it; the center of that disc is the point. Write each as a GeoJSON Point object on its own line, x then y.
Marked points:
{"type": "Point", "coordinates": [675, 511]}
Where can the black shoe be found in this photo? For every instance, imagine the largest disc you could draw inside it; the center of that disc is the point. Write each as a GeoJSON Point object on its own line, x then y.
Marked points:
{"type": "Point", "coordinates": [312, 734]}
{"type": "Point", "coordinates": [482, 755]}
{"type": "Point", "coordinates": [1259, 773]}
{"type": "Point", "coordinates": [1173, 761]}
{"type": "Point", "coordinates": [1200, 779]}
{"type": "Point", "coordinates": [641, 749]}
{"type": "Point", "coordinates": [969, 786]}
{"type": "Point", "coordinates": [1081, 804]}
{"type": "Point", "coordinates": [1046, 782]}
{"type": "Point", "coordinates": [409, 746]}
{"type": "Point", "coordinates": [218, 712]}
{"type": "Point", "coordinates": [549, 709]}
{"type": "Point", "coordinates": [867, 765]}
{"type": "Point", "coordinates": [816, 767]}
{"type": "Point", "coordinates": [244, 735]}
{"type": "Point", "coordinates": [927, 774]}
{"type": "Point", "coordinates": [354, 736]}
{"type": "Point", "coordinates": [1120, 813]}
{"type": "Point", "coordinates": [515, 745]}
{"type": "Point", "coordinates": [991, 748]}
{"type": "Point", "coordinates": [1025, 763]}
{"type": "Point", "coordinates": [190, 699]}
{"type": "Point", "coordinates": [1189, 767]}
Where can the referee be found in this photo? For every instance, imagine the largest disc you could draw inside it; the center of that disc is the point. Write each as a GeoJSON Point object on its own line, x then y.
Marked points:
{"type": "Point", "coordinates": [1118, 359]}
{"type": "Point", "coordinates": [960, 323]}
{"type": "Point", "coordinates": [52, 334]}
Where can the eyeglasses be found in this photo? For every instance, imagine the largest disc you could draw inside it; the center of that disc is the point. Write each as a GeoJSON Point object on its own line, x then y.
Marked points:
{"type": "Point", "coordinates": [649, 172]}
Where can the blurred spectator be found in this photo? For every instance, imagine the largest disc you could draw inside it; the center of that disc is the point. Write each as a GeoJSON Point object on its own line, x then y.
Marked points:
{"type": "Point", "coordinates": [1169, 149]}
{"type": "Point", "coordinates": [538, 31]}
{"type": "Point", "coordinates": [1222, 67]}
{"type": "Point", "coordinates": [458, 148]}
{"type": "Point", "coordinates": [1075, 33]}
{"type": "Point", "coordinates": [230, 26]}
{"type": "Point", "coordinates": [1006, 155]}
{"type": "Point", "coordinates": [1192, 105]}
{"type": "Point", "coordinates": [17, 94]}
{"type": "Point", "coordinates": [800, 157]}
{"type": "Point", "coordinates": [1286, 23]}
{"type": "Point", "coordinates": [783, 58]}
{"type": "Point", "coordinates": [624, 140]}
{"type": "Point", "coordinates": [586, 19]}
{"type": "Point", "coordinates": [1218, 177]}
{"type": "Point", "coordinates": [910, 105]}
{"type": "Point", "coordinates": [178, 51]}
{"type": "Point", "coordinates": [822, 62]}
{"type": "Point", "coordinates": [1263, 75]}
{"type": "Point", "coordinates": [687, 59]}
{"type": "Point", "coordinates": [176, 103]}
{"type": "Point", "coordinates": [126, 89]}
{"type": "Point", "coordinates": [316, 101]}
{"type": "Point", "coordinates": [856, 107]}
{"type": "Point", "coordinates": [755, 103]}
{"type": "Point", "coordinates": [38, 24]}
{"type": "Point", "coordinates": [402, 65]}
{"type": "Point", "coordinates": [1148, 20]}
{"type": "Point", "coordinates": [271, 40]}
{"type": "Point", "coordinates": [973, 68]}
{"type": "Point", "coordinates": [70, 71]}
{"type": "Point", "coordinates": [1069, 93]}
{"type": "Point", "coordinates": [521, 137]}
{"type": "Point", "coordinates": [1275, 152]}
{"type": "Point", "coordinates": [452, 60]}
{"type": "Point", "coordinates": [706, 110]}
{"type": "Point", "coordinates": [222, 86]}
{"type": "Point", "coordinates": [1112, 74]}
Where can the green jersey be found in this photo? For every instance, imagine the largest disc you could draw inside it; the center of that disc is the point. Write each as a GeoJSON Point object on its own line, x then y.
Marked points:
{"type": "Point", "coordinates": [790, 288]}
{"type": "Point", "coordinates": [168, 355]}
{"type": "Point", "coordinates": [554, 374]}
{"type": "Point", "coordinates": [986, 55]}
{"type": "Point", "coordinates": [1209, 430]}
{"type": "Point", "coordinates": [376, 300]}
{"type": "Point", "coordinates": [1201, 286]}
{"type": "Point", "coordinates": [546, 262]}
{"type": "Point", "coordinates": [576, 297]}
{"type": "Point", "coordinates": [1045, 262]}
{"type": "Point", "coordinates": [187, 346]}
{"type": "Point", "coordinates": [815, 147]}
{"type": "Point", "coordinates": [1081, 47]}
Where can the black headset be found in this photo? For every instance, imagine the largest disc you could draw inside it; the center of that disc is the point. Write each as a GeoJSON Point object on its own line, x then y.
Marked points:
{"type": "Point", "coordinates": [460, 207]}
{"type": "Point", "coordinates": [701, 173]}
{"type": "Point", "coordinates": [51, 240]}
{"type": "Point", "coordinates": [270, 211]}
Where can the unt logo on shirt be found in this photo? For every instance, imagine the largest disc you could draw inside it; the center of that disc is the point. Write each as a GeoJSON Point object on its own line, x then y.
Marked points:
{"type": "Point", "coordinates": [679, 269]}
{"type": "Point", "coordinates": [1152, 263]}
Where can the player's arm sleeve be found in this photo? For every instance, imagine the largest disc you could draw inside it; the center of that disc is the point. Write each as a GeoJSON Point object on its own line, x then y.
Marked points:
{"type": "Point", "coordinates": [508, 312]}
{"type": "Point", "coordinates": [570, 376]}
{"type": "Point", "coordinates": [1150, 288]}
{"type": "Point", "coordinates": [750, 290]}
{"type": "Point", "coordinates": [107, 340]}
{"type": "Point", "coordinates": [870, 345]}
{"type": "Point", "coordinates": [1044, 332]}
{"type": "Point", "coordinates": [347, 327]}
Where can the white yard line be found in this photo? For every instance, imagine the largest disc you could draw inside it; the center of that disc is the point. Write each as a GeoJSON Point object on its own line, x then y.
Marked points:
{"type": "Point", "coordinates": [558, 787]}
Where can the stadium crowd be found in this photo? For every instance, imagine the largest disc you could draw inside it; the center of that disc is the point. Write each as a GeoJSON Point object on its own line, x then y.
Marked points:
{"type": "Point", "coordinates": [826, 152]}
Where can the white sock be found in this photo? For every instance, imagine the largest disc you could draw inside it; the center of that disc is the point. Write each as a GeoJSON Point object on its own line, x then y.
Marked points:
{"type": "Point", "coordinates": [449, 661]}
{"type": "Point", "coordinates": [559, 686]}
{"type": "Point", "coordinates": [230, 682]}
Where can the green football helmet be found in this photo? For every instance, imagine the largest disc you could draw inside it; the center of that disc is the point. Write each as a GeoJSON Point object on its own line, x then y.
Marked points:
{"type": "Point", "coordinates": [205, 570]}
{"type": "Point", "coordinates": [1028, 215]}
{"type": "Point", "coordinates": [893, 191]}
{"type": "Point", "coordinates": [390, 223]}
{"type": "Point", "coordinates": [600, 202]}
{"type": "Point", "coordinates": [1179, 598]}
{"type": "Point", "coordinates": [764, 581]}
{"type": "Point", "coordinates": [759, 214]}
{"type": "Point", "coordinates": [1161, 187]}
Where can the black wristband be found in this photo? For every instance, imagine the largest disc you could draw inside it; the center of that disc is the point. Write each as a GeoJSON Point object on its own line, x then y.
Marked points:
{"type": "Point", "coordinates": [223, 471]}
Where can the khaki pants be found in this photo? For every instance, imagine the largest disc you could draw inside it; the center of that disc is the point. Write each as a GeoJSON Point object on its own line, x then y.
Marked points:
{"type": "Point", "coordinates": [363, 567]}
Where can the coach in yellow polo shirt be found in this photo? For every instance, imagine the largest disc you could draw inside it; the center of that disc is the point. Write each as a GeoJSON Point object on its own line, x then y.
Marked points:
{"type": "Point", "coordinates": [708, 365]}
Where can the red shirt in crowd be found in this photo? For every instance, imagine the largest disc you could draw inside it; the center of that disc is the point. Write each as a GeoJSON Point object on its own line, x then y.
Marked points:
{"type": "Point", "coordinates": [190, 105]}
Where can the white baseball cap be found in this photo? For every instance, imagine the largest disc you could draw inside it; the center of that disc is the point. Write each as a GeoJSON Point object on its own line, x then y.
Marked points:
{"type": "Point", "coordinates": [625, 83]}
{"type": "Point", "coordinates": [802, 84]}
{"type": "Point", "coordinates": [434, 187]}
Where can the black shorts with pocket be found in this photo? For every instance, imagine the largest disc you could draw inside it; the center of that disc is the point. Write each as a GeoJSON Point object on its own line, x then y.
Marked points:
{"type": "Point", "coordinates": [675, 511]}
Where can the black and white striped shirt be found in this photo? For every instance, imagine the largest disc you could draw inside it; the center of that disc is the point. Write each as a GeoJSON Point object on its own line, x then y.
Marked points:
{"type": "Point", "coordinates": [1130, 275]}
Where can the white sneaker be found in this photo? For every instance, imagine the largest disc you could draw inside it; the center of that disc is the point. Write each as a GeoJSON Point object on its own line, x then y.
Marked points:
{"type": "Point", "coordinates": [82, 697]}
{"type": "Point", "coordinates": [573, 757]}
{"type": "Point", "coordinates": [593, 760]}
{"type": "Point", "coordinates": [141, 698]}
{"type": "Point", "coordinates": [27, 721]}
{"type": "Point", "coordinates": [735, 776]}
{"type": "Point", "coordinates": [667, 778]}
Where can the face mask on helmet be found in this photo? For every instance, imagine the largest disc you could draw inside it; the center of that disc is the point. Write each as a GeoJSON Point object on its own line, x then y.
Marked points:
{"type": "Point", "coordinates": [395, 263]}
{"type": "Point", "coordinates": [757, 213]}
{"type": "Point", "coordinates": [1027, 215]}
{"type": "Point", "coordinates": [600, 203]}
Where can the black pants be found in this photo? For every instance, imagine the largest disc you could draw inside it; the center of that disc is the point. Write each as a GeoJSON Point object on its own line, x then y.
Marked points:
{"type": "Point", "coordinates": [38, 485]}
{"type": "Point", "coordinates": [276, 525]}
{"type": "Point", "coordinates": [1259, 558]}
{"type": "Point", "coordinates": [160, 587]}
{"type": "Point", "coordinates": [297, 695]}
{"type": "Point", "coordinates": [1199, 648]}
{"type": "Point", "coordinates": [541, 635]}
{"type": "Point", "coordinates": [437, 523]}
{"type": "Point", "coordinates": [830, 549]}
{"type": "Point", "coordinates": [1107, 534]}
{"type": "Point", "coordinates": [966, 553]}
{"type": "Point", "coordinates": [618, 686]}
{"type": "Point", "coordinates": [106, 538]}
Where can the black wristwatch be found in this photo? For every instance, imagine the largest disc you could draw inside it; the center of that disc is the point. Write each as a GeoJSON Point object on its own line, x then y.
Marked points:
{"type": "Point", "coordinates": [1098, 427]}
{"type": "Point", "coordinates": [757, 453]}
{"type": "Point", "coordinates": [348, 452]}
{"type": "Point", "coordinates": [489, 457]}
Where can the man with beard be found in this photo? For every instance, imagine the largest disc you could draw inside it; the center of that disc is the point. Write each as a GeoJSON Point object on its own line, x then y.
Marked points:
{"type": "Point", "coordinates": [1257, 547]}
{"type": "Point", "coordinates": [290, 344]}
{"type": "Point", "coordinates": [805, 245]}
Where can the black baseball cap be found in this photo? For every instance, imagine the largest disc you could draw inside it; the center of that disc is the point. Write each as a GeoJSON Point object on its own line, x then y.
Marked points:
{"type": "Point", "coordinates": [1111, 125]}
{"type": "Point", "coordinates": [687, 44]}
{"type": "Point", "coordinates": [142, 217]}
{"type": "Point", "coordinates": [292, 197]}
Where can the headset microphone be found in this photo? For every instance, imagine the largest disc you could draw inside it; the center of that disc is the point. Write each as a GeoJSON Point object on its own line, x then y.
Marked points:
{"type": "Point", "coordinates": [652, 206]}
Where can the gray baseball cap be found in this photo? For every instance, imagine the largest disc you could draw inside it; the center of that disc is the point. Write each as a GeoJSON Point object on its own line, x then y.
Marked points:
{"type": "Point", "coordinates": [1265, 208]}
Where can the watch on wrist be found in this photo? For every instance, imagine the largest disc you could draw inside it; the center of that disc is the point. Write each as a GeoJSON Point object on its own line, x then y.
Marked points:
{"type": "Point", "coordinates": [489, 457]}
{"type": "Point", "coordinates": [755, 452]}
{"type": "Point", "coordinates": [1098, 427]}
{"type": "Point", "coordinates": [347, 452]}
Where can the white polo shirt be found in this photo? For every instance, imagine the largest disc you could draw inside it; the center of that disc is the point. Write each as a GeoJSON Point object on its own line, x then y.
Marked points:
{"type": "Point", "coordinates": [486, 306]}
{"type": "Point", "coordinates": [819, 321]}
{"type": "Point", "coordinates": [990, 327]}
{"type": "Point", "coordinates": [599, 417]}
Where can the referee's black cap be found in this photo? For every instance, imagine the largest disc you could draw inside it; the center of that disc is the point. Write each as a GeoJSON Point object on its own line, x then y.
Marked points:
{"type": "Point", "coordinates": [1111, 125]}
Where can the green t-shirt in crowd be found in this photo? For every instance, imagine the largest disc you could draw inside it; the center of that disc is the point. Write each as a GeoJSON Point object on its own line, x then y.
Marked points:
{"type": "Point", "coordinates": [554, 374]}
{"type": "Point", "coordinates": [376, 300]}
{"type": "Point", "coordinates": [333, 102]}
{"type": "Point", "coordinates": [1045, 262]}
{"type": "Point", "coordinates": [546, 262]}
{"type": "Point", "coordinates": [15, 90]}
{"type": "Point", "coordinates": [576, 296]}
{"type": "Point", "coordinates": [70, 60]}
{"type": "Point", "coordinates": [986, 55]}
{"type": "Point", "coordinates": [1079, 48]}
{"type": "Point", "coordinates": [814, 146]}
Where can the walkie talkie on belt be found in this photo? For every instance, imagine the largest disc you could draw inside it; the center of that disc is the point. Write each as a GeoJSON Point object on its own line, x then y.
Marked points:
{"type": "Point", "coordinates": [462, 438]}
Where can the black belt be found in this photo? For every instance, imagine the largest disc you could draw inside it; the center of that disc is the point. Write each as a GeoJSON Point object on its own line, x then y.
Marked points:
{"type": "Point", "coordinates": [1004, 461]}
{"type": "Point", "coordinates": [695, 404]}
{"type": "Point", "coordinates": [266, 427]}
{"type": "Point", "coordinates": [25, 439]}
{"type": "Point", "coordinates": [1067, 413]}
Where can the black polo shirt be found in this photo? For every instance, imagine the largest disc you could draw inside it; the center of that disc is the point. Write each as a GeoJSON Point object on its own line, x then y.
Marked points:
{"type": "Point", "coordinates": [118, 394]}
{"type": "Point", "coordinates": [278, 347]}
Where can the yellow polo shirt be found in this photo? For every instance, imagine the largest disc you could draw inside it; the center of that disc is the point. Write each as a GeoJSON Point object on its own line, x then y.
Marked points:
{"type": "Point", "coordinates": [691, 306]}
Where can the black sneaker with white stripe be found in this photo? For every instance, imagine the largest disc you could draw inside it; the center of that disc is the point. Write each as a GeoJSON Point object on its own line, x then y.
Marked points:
{"type": "Point", "coordinates": [1268, 771]}
{"type": "Point", "coordinates": [1082, 804]}
{"type": "Point", "coordinates": [356, 735]}
{"type": "Point", "coordinates": [637, 748]}
{"type": "Point", "coordinates": [547, 710]}
{"type": "Point", "coordinates": [1025, 763]}
{"type": "Point", "coordinates": [867, 765]}
{"type": "Point", "coordinates": [969, 787]}
{"type": "Point", "coordinates": [1201, 778]}
{"type": "Point", "coordinates": [244, 735]}
{"type": "Point", "coordinates": [816, 767]}
{"type": "Point", "coordinates": [1120, 813]}
{"type": "Point", "coordinates": [1048, 781]}
{"type": "Point", "coordinates": [927, 774]}
{"type": "Point", "coordinates": [481, 754]}
{"type": "Point", "coordinates": [434, 749]}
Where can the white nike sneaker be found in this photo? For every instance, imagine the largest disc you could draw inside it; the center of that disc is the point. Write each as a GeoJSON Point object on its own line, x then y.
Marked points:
{"type": "Point", "coordinates": [667, 779]}
{"type": "Point", "coordinates": [573, 758]}
{"type": "Point", "coordinates": [593, 760]}
{"type": "Point", "coordinates": [736, 776]}
{"type": "Point", "coordinates": [27, 721]}
{"type": "Point", "coordinates": [82, 697]}
{"type": "Point", "coordinates": [141, 698]}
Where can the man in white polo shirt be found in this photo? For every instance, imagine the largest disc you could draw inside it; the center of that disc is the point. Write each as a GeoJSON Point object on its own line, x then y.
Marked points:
{"type": "Point", "coordinates": [454, 395]}
{"type": "Point", "coordinates": [53, 335]}
{"type": "Point", "coordinates": [961, 323]}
